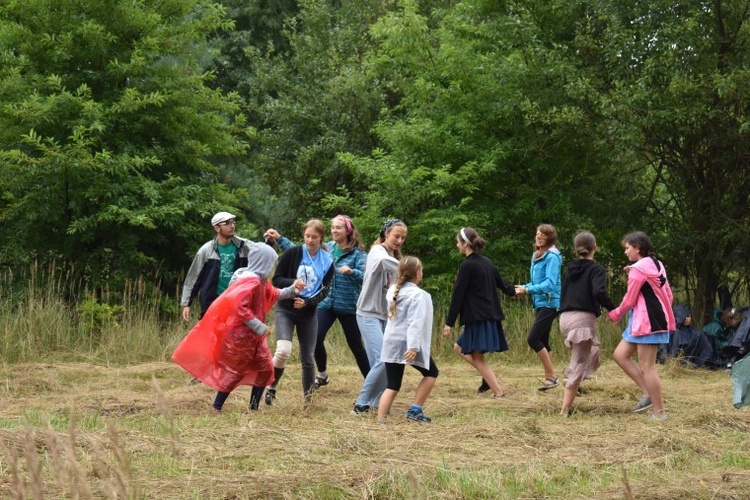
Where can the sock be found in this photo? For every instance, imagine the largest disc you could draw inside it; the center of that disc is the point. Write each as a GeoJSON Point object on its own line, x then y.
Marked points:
{"type": "Point", "coordinates": [255, 394]}
{"type": "Point", "coordinates": [277, 373]}
{"type": "Point", "coordinates": [323, 374]}
{"type": "Point", "coordinates": [220, 398]}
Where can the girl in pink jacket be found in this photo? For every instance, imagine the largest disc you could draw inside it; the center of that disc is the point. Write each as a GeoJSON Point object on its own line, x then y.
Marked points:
{"type": "Point", "coordinates": [648, 301]}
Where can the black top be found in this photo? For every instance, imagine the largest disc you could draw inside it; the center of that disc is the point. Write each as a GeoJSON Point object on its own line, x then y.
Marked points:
{"type": "Point", "coordinates": [584, 288]}
{"type": "Point", "coordinates": [475, 296]}
{"type": "Point", "coordinates": [286, 274]}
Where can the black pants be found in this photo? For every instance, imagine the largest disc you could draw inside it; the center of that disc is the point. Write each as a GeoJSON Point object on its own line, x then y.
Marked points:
{"type": "Point", "coordinates": [538, 338]}
{"type": "Point", "coordinates": [326, 318]}
{"type": "Point", "coordinates": [395, 373]}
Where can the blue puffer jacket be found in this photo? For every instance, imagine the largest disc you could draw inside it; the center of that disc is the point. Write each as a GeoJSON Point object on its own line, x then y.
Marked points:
{"type": "Point", "coordinates": [344, 291]}
{"type": "Point", "coordinates": [545, 283]}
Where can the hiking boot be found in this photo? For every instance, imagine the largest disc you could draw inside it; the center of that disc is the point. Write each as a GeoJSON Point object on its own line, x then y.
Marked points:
{"type": "Point", "coordinates": [484, 387]}
{"type": "Point", "coordinates": [417, 416]}
{"type": "Point", "coordinates": [270, 396]}
{"type": "Point", "coordinates": [643, 404]}
{"type": "Point", "coordinates": [361, 409]}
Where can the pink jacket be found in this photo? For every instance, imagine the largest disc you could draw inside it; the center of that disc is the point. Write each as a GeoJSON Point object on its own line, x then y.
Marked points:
{"type": "Point", "coordinates": [650, 297]}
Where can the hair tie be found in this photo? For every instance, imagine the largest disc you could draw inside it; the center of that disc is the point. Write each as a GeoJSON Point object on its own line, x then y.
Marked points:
{"type": "Point", "coordinates": [347, 223]}
{"type": "Point", "coordinates": [463, 235]}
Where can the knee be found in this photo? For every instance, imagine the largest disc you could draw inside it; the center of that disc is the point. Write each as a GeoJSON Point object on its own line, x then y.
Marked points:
{"type": "Point", "coordinates": [535, 344]}
{"type": "Point", "coordinates": [457, 349]}
{"type": "Point", "coordinates": [282, 354]}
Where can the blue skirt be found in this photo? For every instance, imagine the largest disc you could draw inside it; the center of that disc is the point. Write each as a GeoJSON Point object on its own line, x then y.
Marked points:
{"type": "Point", "coordinates": [652, 338]}
{"type": "Point", "coordinates": [487, 336]}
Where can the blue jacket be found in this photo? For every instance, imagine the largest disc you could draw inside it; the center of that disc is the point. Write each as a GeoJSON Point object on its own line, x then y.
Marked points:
{"type": "Point", "coordinates": [344, 290]}
{"type": "Point", "coordinates": [545, 283]}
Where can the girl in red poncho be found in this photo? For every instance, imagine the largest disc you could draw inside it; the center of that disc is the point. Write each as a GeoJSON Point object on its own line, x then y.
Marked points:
{"type": "Point", "coordinates": [228, 346]}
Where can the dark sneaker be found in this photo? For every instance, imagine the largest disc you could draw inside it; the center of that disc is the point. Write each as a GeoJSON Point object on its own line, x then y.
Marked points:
{"type": "Point", "coordinates": [418, 416]}
{"type": "Point", "coordinates": [361, 409]}
{"type": "Point", "coordinates": [484, 387]}
{"type": "Point", "coordinates": [270, 396]}
{"type": "Point", "coordinates": [643, 404]}
{"type": "Point", "coordinates": [320, 382]}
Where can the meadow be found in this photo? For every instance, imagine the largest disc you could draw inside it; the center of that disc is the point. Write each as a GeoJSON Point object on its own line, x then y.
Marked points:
{"type": "Point", "coordinates": [93, 408]}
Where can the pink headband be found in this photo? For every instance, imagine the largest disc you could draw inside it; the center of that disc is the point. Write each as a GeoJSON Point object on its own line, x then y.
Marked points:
{"type": "Point", "coordinates": [347, 223]}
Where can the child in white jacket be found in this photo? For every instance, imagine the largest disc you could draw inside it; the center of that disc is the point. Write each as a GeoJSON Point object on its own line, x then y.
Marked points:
{"type": "Point", "coordinates": [407, 339]}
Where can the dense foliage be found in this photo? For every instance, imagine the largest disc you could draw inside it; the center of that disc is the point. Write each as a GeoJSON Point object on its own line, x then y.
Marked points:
{"type": "Point", "coordinates": [124, 125]}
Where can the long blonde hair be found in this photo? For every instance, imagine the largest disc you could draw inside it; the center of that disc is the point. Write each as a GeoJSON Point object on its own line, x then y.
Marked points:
{"type": "Point", "coordinates": [408, 270]}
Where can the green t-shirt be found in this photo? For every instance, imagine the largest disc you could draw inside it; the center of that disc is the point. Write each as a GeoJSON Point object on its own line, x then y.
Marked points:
{"type": "Point", "coordinates": [227, 254]}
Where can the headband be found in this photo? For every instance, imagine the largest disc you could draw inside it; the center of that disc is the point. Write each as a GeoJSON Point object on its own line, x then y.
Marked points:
{"type": "Point", "coordinates": [463, 235]}
{"type": "Point", "coordinates": [347, 223]}
{"type": "Point", "coordinates": [387, 226]}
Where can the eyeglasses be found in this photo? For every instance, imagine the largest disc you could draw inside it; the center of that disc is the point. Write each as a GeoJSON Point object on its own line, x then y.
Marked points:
{"type": "Point", "coordinates": [228, 223]}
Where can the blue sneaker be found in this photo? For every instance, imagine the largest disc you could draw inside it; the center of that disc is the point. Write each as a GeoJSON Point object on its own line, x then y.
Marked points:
{"type": "Point", "coordinates": [418, 416]}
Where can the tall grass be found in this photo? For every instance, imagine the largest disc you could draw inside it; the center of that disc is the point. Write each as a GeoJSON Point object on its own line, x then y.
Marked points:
{"type": "Point", "coordinates": [45, 314]}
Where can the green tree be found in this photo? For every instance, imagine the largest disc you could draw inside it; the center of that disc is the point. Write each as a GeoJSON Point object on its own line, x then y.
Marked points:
{"type": "Point", "coordinates": [108, 131]}
{"type": "Point", "coordinates": [673, 77]}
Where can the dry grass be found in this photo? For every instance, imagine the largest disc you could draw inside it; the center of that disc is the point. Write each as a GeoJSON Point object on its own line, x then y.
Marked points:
{"type": "Point", "coordinates": [85, 431]}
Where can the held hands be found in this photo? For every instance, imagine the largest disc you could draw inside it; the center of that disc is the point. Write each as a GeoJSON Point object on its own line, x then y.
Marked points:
{"type": "Point", "coordinates": [299, 285]}
{"type": "Point", "coordinates": [344, 270]}
{"type": "Point", "coordinates": [410, 355]}
{"type": "Point", "coordinates": [272, 235]}
{"type": "Point", "coordinates": [447, 331]}
{"type": "Point", "coordinates": [520, 290]}
{"type": "Point", "coordinates": [268, 332]}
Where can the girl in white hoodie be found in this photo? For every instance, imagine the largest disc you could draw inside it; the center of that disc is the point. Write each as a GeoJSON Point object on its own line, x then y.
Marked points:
{"type": "Point", "coordinates": [407, 339]}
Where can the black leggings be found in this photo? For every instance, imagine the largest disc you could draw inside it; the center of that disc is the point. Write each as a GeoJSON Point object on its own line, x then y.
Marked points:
{"type": "Point", "coordinates": [395, 373]}
{"type": "Point", "coordinates": [538, 338]}
{"type": "Point", "coordinates": [326, 318]}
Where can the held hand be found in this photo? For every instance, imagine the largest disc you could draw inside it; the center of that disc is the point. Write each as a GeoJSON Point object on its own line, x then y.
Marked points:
{"type": "Point", "coordinates": [447, 331]}
{"type": "Point", "coordinates": [410, 355]}
{"type": "Point", "coordinates": [299, 303]}
{"type": "Point", "coordinates": [299, 285]}
{"type": "Point", "coordinates": [611, 317]}
{"type": "Point", "coordinates": [344, 270]}
{"type": "Point", "coordinates": [271, 234]}
{"type": "Point", "coordinates": [268, 332]}
{"type": "Point", "coordinates": [520, 290]}
{"type": "Point", "coordinates": [186, 313]}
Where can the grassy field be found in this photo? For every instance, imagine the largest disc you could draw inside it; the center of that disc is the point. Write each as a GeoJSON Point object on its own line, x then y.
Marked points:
{"type": "Point", "coordinates": [75, 430]}
{"type": "Point", "coordinates": [87, 413]}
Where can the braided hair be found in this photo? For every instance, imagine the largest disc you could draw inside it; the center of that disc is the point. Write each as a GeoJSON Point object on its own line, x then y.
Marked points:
{"type": "Point", "coordinates": [408, 270]}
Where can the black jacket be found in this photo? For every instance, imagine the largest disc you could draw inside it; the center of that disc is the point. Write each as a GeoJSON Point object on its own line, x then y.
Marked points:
{"type": "Point", "coordinates": [286, 274]}
{"type": "Point", "coordinates": [584, 288]}
{"type": "Point", "coordinates": [475, 295]}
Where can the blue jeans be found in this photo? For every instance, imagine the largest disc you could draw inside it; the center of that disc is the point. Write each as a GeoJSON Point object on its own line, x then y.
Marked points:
{"type": "Point", "coordinates": [376, 381]}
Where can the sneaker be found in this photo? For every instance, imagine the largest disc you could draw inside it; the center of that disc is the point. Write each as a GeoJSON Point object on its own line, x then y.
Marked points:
{"type": "Point", "coordinates": [663, 416]}
{"type": "Point", "coordinates": [270, 396]}
{"type": "Point", "coordinates": [418, 416]}
{"type": "Point", "coordinates": [319, 382]}
{"type": "Point", "coordinates": [643, 404]}
{"type": "Point", "coordinates": [361, 409]}
{"type": "Point", "coordinates": [484, 387]}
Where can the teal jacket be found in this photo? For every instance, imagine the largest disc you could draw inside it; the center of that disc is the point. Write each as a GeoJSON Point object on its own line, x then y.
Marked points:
{"type": "Point", "coordinates": [545, 283]}
{"type": "Point", "coordinates": [344, 291]}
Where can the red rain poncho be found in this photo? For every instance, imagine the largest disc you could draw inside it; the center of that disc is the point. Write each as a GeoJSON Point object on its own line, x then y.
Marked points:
{"type": "Point", "coordinates": [221, 350]}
